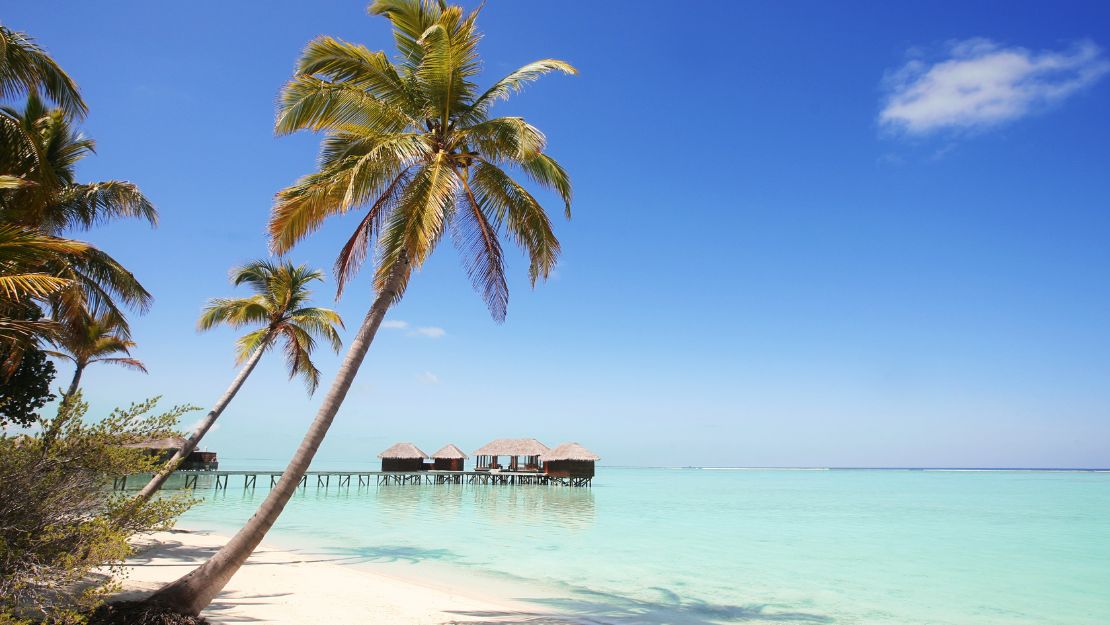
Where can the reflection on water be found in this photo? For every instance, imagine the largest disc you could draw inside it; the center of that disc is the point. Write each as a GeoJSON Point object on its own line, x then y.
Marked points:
{"type": "Point", "coordinates": [355, 508]}
{"type": "Point", "coordinates": [678, 547]}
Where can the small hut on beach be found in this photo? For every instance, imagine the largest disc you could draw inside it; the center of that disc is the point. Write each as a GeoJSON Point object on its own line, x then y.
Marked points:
{"type": "Point", "coordinates": [165, 448]}
{"type": "Point", "coordinates": [449, 458]}
{"type": "Point", "coordinates": [530, 449]}
{"type": "Point", "coordinates": [403, 457]}
{"type": "Point", "coordinates": [569, 460]}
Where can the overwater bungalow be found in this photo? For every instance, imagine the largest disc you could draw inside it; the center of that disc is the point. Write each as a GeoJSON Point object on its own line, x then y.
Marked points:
{"type": "Point", "coordinates": [449, 458]}
{"type": "Point", "coordinates": [165, 448]}
{"type": "Point", "coordinates": [569, 460]}
{"type": "Point", "coordinates": [530, 449]}
{"type": "Point", "coordinates": [403, 457]}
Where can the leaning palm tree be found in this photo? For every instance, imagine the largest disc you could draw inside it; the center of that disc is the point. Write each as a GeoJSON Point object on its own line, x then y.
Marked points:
{"type": "Point", "coordinates": [27, 68]}
{"type": "Point", "coordinates": [278, 310]}
{"type": "Point", "coordinates": [413, 142]}
{"type": "Point", "coordinates": [92, 339]}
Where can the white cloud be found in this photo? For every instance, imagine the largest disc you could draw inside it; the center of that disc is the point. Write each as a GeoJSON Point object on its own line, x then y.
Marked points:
{"type": "Point", "coordinates": [431, 332]}
{"type": "Point", "coordinates": [428, 378]}
{"type": "Point", "coordinates": [981, 83]}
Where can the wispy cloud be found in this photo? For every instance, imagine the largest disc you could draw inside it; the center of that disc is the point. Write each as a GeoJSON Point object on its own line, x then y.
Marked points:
{"type": "Point", "coordinates": [431, 332]}
{"type": "Point", "coordinates": [428, 378]}
{"type": "Point", "coordinates": [980, 83]}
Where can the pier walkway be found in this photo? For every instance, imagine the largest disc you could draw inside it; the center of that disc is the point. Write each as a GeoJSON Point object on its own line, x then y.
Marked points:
{"type": "Point", "coordinates": [219, 480]}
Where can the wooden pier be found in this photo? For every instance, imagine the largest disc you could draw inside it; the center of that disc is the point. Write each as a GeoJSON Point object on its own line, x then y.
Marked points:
{"type": "Point", "coordinates": [343, 479]}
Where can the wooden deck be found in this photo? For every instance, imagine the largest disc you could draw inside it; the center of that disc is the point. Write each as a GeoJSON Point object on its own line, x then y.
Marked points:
{"type": "Point", "coordinates": [219, 480]}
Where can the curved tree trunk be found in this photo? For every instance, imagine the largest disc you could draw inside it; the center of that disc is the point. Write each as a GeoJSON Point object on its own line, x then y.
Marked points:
{"type": "Point", "coordinates": [75, 384]}
{"type": "Point", "coordinates": [202, 428]}
{"type": "Point", "coordinates": [193, 592]}
{"type": "Point", "coordinates": [57, 423]}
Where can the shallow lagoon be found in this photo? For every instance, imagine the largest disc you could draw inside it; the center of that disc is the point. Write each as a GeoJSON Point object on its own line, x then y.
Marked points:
{"type": "Point", "coordinates": [692, 547]}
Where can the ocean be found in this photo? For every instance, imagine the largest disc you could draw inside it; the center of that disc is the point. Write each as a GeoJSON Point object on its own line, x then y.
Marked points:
{"type": "Point", "coordinates": [711, 546]}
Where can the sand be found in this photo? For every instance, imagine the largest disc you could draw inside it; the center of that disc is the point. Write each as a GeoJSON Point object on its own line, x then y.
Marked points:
{"type": "Point", "coordinates": [280, 586]}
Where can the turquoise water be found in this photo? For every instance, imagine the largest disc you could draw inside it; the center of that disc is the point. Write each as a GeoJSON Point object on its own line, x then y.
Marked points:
{"type": "Point", "coordinates": [693, 547]}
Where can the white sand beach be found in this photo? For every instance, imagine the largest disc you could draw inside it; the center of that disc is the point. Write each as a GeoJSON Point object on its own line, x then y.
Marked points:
{"type": "Point", "coordinates": [280, 586]}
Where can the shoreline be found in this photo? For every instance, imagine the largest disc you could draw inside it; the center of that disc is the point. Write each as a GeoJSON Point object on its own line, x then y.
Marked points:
{"type": "Point", "coordinates": [293, 586]}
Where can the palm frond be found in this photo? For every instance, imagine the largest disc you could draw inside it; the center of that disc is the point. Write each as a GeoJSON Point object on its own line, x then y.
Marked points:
{"type": "Point", "coordinates": [258, 274]}
{"type": "Point", "coordinates": [335, 60]}
{"type": "Point", "coordinates": [320, 322]}
{"type": "Point", "coordinates": [250, 342]}
{"type": "Point", "coordinates": [301, 208]}
{"type": "Point", "coordinates": [354, 252]}
{"type": "Point", "coordinates": [26, 67]}
{"type": "Point", "coordinates": [128, 363]}
{"type": "Point", "coordinates": [235, 312]}
{"type": "Point", "coordinates": [547, 172]}
{"type": "Point", "coordinates": [476, 240]}
{"type": "Point", "coordinates": [105, 281]}
{"type": "Point", "coordinates": [417, 222]}
{"type": "Point", "coordinates": [13, 182]}
{"type": "Point", "coordinates": [504, 138]}
{"type": "Point", "coordinates": [522, 214]}
{"type": "Point", "coordinates": [86, 205]}
{"type": "Point", "coordinates": [298, 349]}
{"type": "Point", "coordinates": [513, 83]}
{"type": "Point", "coordinates": [33, 285]}
{"type": "Point", "coordinates": [410, 20]}
{"type": "Point", "coordinates": [310, 103]}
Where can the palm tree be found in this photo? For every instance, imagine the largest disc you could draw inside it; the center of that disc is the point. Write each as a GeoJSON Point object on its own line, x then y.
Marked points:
{"type": "Point", "coordinates": [43, 148]}
{"type": "Point", "coordinates": [279, 310]}
{"type": "Point", "coordinates": [27, 68]}
{"type": "Point", "coordinates": [39, 152]}
{"type": "Point", "coordinates": [92, 339]}
{"type": "Point", "coordinates": [413, 142]}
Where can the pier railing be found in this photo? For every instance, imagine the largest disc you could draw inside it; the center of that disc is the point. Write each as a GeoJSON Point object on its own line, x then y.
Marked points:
{"type": "Point", "coordinates": [219, 480]}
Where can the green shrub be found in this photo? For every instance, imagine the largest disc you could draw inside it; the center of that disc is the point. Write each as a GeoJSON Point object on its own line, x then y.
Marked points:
{"type": "Point", "coordinates": [63, 536]}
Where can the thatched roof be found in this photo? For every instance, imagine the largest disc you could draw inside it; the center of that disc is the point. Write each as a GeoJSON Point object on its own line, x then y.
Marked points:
{"type": "Point", "coordinates": [512, 447]}
{"type": "Point", "coordinates": [570, 451]}
{"type": "Point", "coordinates": [403, 450]}
{"type": "Point", "coordinates": [450, 452]}
{"type": "Point", "coordinates": [170, 442]}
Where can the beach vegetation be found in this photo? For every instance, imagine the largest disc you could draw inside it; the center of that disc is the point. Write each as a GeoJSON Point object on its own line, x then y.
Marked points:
{"type": "Point", "coordinates": [411, 142]}
{"type": "Point", "coordinates": [61, 541]}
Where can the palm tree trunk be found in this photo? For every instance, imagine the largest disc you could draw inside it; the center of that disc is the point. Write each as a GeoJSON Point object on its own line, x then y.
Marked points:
{"type": "Point", "coordinates": [193, 592]}
{"type": "Point", "coordinates": [202, 428]}
{"type": "Point", "coordinates": [57, 423]}
{"type": "Point", "coordinates": [75, 384]}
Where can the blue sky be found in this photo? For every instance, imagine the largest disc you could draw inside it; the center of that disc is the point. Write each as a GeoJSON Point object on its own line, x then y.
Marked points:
{"type": "Point", "coordinates": [831, 234]}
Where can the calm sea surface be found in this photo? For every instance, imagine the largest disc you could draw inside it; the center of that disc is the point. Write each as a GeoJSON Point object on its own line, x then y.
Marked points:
{"type": "Point", "coordinates": [692, 547]}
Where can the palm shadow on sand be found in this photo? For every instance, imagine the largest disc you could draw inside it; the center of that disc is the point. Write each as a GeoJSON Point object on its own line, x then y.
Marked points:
{"type": "Point", "coordinates": [587, 607]}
